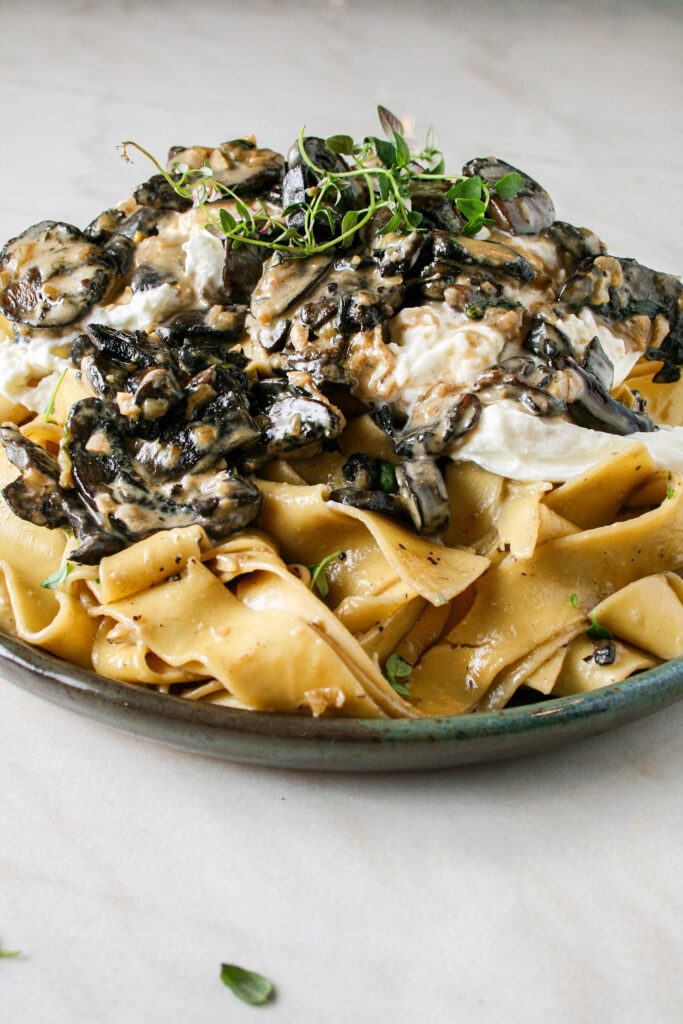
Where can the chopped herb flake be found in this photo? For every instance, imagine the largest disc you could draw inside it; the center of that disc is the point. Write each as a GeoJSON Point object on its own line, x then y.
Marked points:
{"type": "Point", "coordinates": [440, 599]}
{"type": "Point", "coordinates": [56, 578]}
{"type": "Point", "coordinates": [10, 952]}
{"type": "Point", "coordinates": [573, 600]}
{"type": "Point", "coordinates": [248, 986]}
{"type": "Point", "coordinates": [670, 492]}
{"type": "Point", "coordinates": [387, 476]}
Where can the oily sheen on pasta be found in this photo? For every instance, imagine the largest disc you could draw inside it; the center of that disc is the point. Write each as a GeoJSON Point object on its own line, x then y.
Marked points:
{"type": "Point", "coordinates": [414, 468]}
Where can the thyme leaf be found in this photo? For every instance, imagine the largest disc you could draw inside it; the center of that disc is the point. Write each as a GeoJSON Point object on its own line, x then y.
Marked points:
{"type": "Point", "coordinates": [395, 668]}
{"type": "Point", "coordinates": [249, 986]}
{"type": "Point", "coordinates": [10, 952]}
{"type": "Point", "coordinates": [318, 575]}
{"type": "Point", "coordinates": [56, 578]}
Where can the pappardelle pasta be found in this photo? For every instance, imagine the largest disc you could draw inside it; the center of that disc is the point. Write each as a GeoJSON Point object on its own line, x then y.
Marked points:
{"type": "Point", "coordinates": [275, 441]}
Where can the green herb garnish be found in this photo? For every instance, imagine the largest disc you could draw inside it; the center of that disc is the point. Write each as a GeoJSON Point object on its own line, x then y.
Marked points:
{"type": "Point", "coordinates": [573, 600]}
{"type": "Point", "coordinates": [51, 404]}
{"type": "Point", "coordinates": [248, 986]}
{"type": "Point", "coordinates": [387, 166]}
{"type": "Point", "coordinates": [56, 578]}
{"type": "Point", "coordinates": [440, 599]}
{"type": "Point", "coordinates": [10, 952]}
{"type": "Point", "coordinates": [318, 575]}
{"type": "Point", "coordinates": [670, 492]}
{"type": "Point", "coordinates": [598, 632]}
{"type": "Point", "coordinates": [395, 668]}
{"type": "Point", "coordinates": [386, 475]}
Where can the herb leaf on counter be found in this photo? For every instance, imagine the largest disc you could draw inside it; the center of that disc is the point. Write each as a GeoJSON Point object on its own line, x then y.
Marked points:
{"type": "Point", "coordinates": [249, 986]}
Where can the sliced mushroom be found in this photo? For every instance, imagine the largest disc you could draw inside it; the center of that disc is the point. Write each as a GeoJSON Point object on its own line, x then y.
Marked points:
{"type": "Point", "coordinates": [371, 501]}
{"type": "Point", "coordinates": [53, 274]}
{"type": "Point", "coordinates": [523, 381]}
{"type": "Point", "coordinates": [547, 341]}
{"type": "Point", "coordinates": [579, 243]}
{"type": "Point", "coordinates": [242, 271]}
{"type": "Point", "coordinates": [423, 492]}
{"type": "Point", "coordinates": [435, 438]}
{"type": "Point", "coordinates": [37, 497]}
{"type": "Point", "coordinates": [397, 254]}
{"type": "Point", "coordinates": [217, 422]}
{"type": "Point", "coordinates": [429, 199]}
{"type": "Point", "coordinates": [282, 283]}
{"type": "Point", "coordinates": [596, 362]}
{"type": "Point", "coordinates": [360, 472]}
{"type": "Point", "coordinates": [120, 496]}
{"type": "Point", "coordinates": [296, 416]}
{"type": "Point", "coordinates": [100, 229]}
{"type": "Point", "coordinates": [619, 288]}
{"type": "Point", "coordinates": [528, 212]}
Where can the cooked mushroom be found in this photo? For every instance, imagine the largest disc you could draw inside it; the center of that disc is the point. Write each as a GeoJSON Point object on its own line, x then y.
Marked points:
{"type": "Point", "coordinates": [120, 495]}
{"type": "Point", "coordinates": [238, 165]}
{"type": "Point", "coordinates": [435, 438]}
{"type": "Point", "coordinates": [360, 472]}
{"type": "Point", "coordinates": [53, 274]}
{"type": "Point", "coordinates": [596, 362]}
{"type": "Point", "coordinates": [579, 243]}
{"type": "Point", "coordinates": [37, 497]}
{"type": "Point", "coordinates": [619, 288]}
{"type": "Point", "coordinates": [528, 212]}
{"type": "Point", "coordinates": [371, 501]}
{"type": "Point", "coordinates": [423, 492]}
{"type": "Point", "coordinates": [217, 422]}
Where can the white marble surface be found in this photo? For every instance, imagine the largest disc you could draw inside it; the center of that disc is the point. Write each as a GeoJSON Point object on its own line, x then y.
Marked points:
{"type": "Point", "coordinates": [547, 889]}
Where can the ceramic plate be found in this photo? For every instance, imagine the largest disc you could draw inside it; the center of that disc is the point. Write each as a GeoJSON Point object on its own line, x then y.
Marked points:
{"type": "Point", "coordinates": [287, 741]}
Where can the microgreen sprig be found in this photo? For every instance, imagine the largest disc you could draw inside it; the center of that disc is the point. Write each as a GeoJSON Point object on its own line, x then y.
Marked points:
{"type": "Point", "coordinates": [388, 167]}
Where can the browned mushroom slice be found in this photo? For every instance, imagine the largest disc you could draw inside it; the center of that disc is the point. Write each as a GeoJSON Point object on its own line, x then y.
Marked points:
{"type": "Point", "coordinates": [524, 384]}
{"type": "Point", "coordinates": [119, 494]}
{"type": "Point", "coordinates": [371, 501]}
{"type": "Point", "coordinates": [217, 422]}
{"type": "Point", "coordinates": [528, 212]}
{"type": "Point", "coordinates": [429, 199]}
{"type": "Point", "coordinates": [618, 288]}
{"type": "Point", "coordinates": [37, 497]}
{"type": "Point", "coordinates": [283, 282]}
{"type": "Point", "coordinates": [579, 243]}
{"type": "Point", "coordinates": [423, 492]}
{"type": "Point", "coordinates": [435, 438]}
{"type": "Point", "coordinates": [397, 254]}
{"type": "Point", "coordinates": [52, 275]}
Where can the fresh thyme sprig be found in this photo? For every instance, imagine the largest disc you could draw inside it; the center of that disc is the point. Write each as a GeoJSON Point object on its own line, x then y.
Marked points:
{"type": "Point", "coordinates": [387, 167]}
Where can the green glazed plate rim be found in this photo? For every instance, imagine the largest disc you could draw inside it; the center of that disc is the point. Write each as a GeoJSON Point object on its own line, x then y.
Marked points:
{"type": "Point", "coordinates": [338, 744]}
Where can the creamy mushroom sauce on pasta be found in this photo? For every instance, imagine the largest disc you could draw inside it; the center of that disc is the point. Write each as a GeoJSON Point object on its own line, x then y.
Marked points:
{"type": "Point", "coordinates": [405, 475]}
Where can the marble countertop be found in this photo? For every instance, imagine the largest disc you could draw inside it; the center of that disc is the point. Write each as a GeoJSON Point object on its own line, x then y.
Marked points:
{"type": "Point", "coordinates": [545, 889]}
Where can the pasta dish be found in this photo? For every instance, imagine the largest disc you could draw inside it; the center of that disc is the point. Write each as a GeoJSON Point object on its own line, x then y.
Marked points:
{"type": "Point", "coordinates": [340, 433]}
